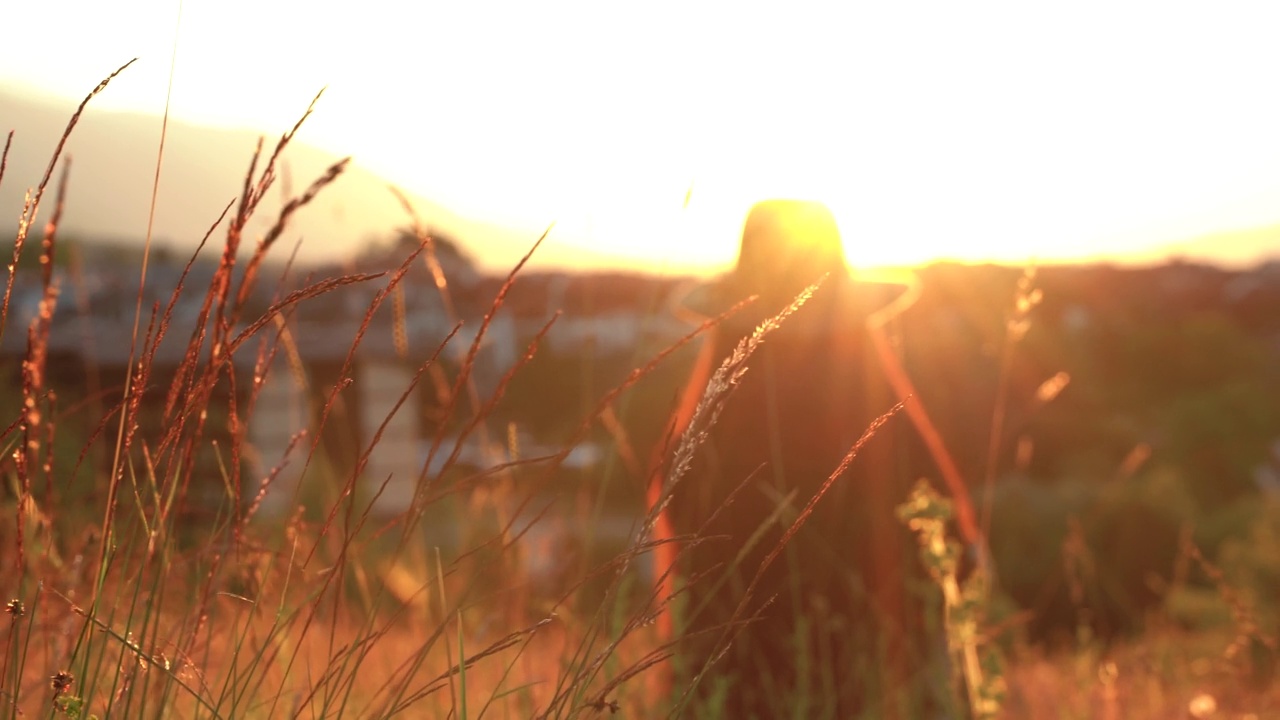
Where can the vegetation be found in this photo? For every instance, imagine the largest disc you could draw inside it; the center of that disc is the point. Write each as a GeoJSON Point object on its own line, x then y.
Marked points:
{"type": "Point", "coordinates": [147, 578]}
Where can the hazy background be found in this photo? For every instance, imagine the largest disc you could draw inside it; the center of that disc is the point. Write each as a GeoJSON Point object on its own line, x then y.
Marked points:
{"type": "Point", "coordinates": [993, 131]}
{"type": "Point", "coordinates": [1133, 403]}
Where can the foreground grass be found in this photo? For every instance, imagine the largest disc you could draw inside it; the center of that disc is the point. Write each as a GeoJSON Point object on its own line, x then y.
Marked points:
{"type": "Point", "coordinates": [153, 589]}
{"type": "Point", "coordinates": [123, 601]}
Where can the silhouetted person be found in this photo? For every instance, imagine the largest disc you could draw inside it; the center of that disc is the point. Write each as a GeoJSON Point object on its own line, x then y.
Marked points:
{"type": "Point", "coordinates": [842, 627]}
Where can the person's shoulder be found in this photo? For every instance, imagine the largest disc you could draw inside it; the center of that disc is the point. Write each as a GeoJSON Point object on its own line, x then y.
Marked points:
{"type": "Point", "coordinates": [835, 298]}
{"type": "Point", "coordinates": [875, 294]}
{"type": "Point", "coordinates": [871, 292]}
{"type": "Point", "coordinates": [696, 301]}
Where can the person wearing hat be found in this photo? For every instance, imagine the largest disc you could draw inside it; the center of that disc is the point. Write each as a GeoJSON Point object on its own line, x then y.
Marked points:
{"type": "Point", "coordinates": [832, 618]}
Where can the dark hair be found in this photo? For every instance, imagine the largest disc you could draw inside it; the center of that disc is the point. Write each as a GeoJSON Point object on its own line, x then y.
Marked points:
{"type": "Point", "coordinates": [787, 245]}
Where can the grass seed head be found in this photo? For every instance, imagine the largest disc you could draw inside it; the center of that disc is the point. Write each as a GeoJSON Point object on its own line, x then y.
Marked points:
{"type": "Point", "coordinates": [61, 682]}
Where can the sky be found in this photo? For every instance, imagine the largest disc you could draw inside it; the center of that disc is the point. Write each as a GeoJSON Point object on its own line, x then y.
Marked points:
{"type": "Point", "coordinates": [974, 131]}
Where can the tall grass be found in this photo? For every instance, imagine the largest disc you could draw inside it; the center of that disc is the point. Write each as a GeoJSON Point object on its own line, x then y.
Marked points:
{"type": "Point", "coordinates": [138, 593]}
{"type": "Point", "coordinates": [146, 581]}
{"type": "Point", "coordinates": [122, 605]}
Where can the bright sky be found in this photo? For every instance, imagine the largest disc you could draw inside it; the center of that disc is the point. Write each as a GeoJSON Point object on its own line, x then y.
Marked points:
{"type": "Point", "coordinates": [975, 131]}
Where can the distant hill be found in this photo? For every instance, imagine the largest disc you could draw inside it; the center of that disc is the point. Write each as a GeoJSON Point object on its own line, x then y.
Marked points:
{"type": "Point", "coordinates": [113, 164]}
{"type": "Point", "coordinates": [1234, 248]}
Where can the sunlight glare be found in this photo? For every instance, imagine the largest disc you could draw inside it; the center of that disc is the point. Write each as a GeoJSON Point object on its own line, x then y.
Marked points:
{"type": "Point", "coordinates": [930, 136]}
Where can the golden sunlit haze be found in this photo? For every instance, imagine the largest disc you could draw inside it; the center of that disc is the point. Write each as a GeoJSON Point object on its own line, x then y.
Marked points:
{"type": "Point", "coordinates": [969, 131]}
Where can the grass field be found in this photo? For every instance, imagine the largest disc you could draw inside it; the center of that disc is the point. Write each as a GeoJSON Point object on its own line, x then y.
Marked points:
{"type": "Point", "coordinates": [135, 591]}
